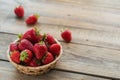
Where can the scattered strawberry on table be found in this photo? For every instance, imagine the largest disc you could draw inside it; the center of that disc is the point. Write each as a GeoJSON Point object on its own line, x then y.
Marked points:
{"type": "Point", "coordinates": [66, 35]}
{"type": "Point", "coordinates": [32, 19]}
{"type": "Point", "coordinates": [19, 11]}
{"type": "Point", "coordinates": [34, 49]}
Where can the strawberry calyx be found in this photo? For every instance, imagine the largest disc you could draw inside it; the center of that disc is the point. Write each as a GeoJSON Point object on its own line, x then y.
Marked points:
{"type": "Point", "coordinates": [20, 5]}
{"type": "Point", "coordinates": [44, 37]}
{"type": "Point", "coordinates": [41, 42]}
{"type": "Point", "coordinates": [37, 31]}
{"type": "Point", "coordinates": [38, 62]}
{"type": "Point", "coordinates": [10, 53]}
{"type": "Point", "coordinates": [20, 36]}
{"type": "Point", "coordinates": [44, 57]}
{"type": "Point", "coordinates": [63, 29]}
{"type": "Point", "coordinates": [23, 55]}
{"type": "Point", "coordinates": [37, 16]}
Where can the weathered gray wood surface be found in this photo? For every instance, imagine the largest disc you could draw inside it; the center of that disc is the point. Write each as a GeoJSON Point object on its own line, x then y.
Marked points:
{"type": "Point", "coordinates": [78, 58]}
{"type": "Point", "coordinates": [8, 72]}
{"type": "Point", "coordinates": [95, 48]}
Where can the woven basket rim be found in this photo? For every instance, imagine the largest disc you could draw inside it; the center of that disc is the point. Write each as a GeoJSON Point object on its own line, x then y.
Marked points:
{"type": "Point", "coordinates": [15, 64]}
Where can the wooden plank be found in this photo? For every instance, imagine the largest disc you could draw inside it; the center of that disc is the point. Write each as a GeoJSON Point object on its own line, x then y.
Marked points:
{"type": "Point", "coordinates": [82, 36]}
{"type": "Point", "coordinates": [76, 13]}
{"type": "Point", "coordinates": [5, 40]}
{"type": "Point", "coordinates": [94, 3]}
{"type": "Point", "coordinates": [12, 74]}
{"type": "Point", "coordinates": [4, 10]}
{"type": "Point", "coordinates": [76, 16]}
{"type": "Point", "coordinates": [79, 58]}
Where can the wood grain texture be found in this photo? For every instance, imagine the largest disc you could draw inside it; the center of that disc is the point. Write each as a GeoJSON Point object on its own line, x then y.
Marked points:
{"type": "Point", "coordinates": [76, 16]}
{"type": "Point", "coordinates": [81, 36]}
{"type": "Point", "coordinates": [95, 47]}
{"type": "Point", "coordinates": [55, 17]}
{"type": "Point", "coordinates": [84, 13]}
{"type": "Point", "coordinates": [5, 10]}
{"type": "Point", "coordinates": [10, 73]}
{"type": "Point", "coordinates": [79, 58]}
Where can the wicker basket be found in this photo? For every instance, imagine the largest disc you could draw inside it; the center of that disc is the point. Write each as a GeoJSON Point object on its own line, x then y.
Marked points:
{"type": "Point", "coordinates": [35, 70]}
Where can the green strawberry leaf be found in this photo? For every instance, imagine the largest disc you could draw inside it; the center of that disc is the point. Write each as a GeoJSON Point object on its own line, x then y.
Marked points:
{"type": "Point", "coordinates": [44, 57]}
{"type": "Point", "coordinates": [37, 31]}
{"type": "Point", "coordinates": [41, 42]}
{"type": "Point", "coordinates": [38, 62]}
{"type": "Point", "coordinates": [20, 36]}
{"type": "Point", "coordinates": [23, 56]}
{"type": "Point", "coordinates": [44, 37]}
{"type": "Point", "coordinates": [37, 16]}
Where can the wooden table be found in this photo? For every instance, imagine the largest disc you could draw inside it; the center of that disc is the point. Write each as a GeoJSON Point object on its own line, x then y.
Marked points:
{"type": "Point", "coordinates": [93, 54]}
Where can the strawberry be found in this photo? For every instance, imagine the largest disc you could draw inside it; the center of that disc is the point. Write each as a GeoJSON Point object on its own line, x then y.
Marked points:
{"type": "Point", "coordinates": [40, 50]}
{"type": "Point", "coordinates": [25, 44]}
{"type": "Point", "coordinates": [26, 56]}
{"type": "Point", "coordinates": [48, 58]}
{"type": "Point", "coordinates": [13, 46]}
{"type": "Point", "coordinates": [32, 19]}
{"type": "Point", "coordinates": [19, 11]}
{"type": "Point", "coordinates": [66, 35]}
{"type": "Point", "coordinates": [50, 40]}
{"type": "Point", "coordinates": [15, 56]}
{"type": "Point", "coordinates": [32, 35]}
{"type": "Point", "coordinates": [55, 49]}
{"type": "Point", "coordinates": [34, 63]}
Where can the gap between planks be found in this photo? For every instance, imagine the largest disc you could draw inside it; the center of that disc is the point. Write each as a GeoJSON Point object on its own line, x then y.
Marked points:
{"type": "Point", "coordinates": [71, 42]}
{"type": "Point", "coordinates": [81, 73]}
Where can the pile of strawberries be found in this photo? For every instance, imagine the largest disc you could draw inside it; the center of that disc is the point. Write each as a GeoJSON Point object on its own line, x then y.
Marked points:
{"type": "Point", "coordinates": [34, 49]}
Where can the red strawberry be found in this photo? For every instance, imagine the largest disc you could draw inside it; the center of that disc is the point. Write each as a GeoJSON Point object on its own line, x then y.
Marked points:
{"type": "Point", "coordinates": [13, 46]}
{"type": "Point", "coordinates": [19, 11]}
{"type": "Point", "coordinates": [26, 56]}
{"type": "Point", "coordinates": [40, 50]}
{"type": "Point", "coordinates": [55, 49]}
{"type": "Point", "coordinates": [34, 63]}
{"type": "Point", "coordinates": [15, 56]}
{"type": "Point", "coordinates": [48, 58]}
{"type": "Point", "coordinates": [32, 19]}
{"type": "Point", "coordinates": [66, 35]}
{"type": "Point", "coordinates": [32, 35]}
{"type": "Point", "coordinates": [25, 44]}
{"type": "Point", "coordinates": [50, 40]}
